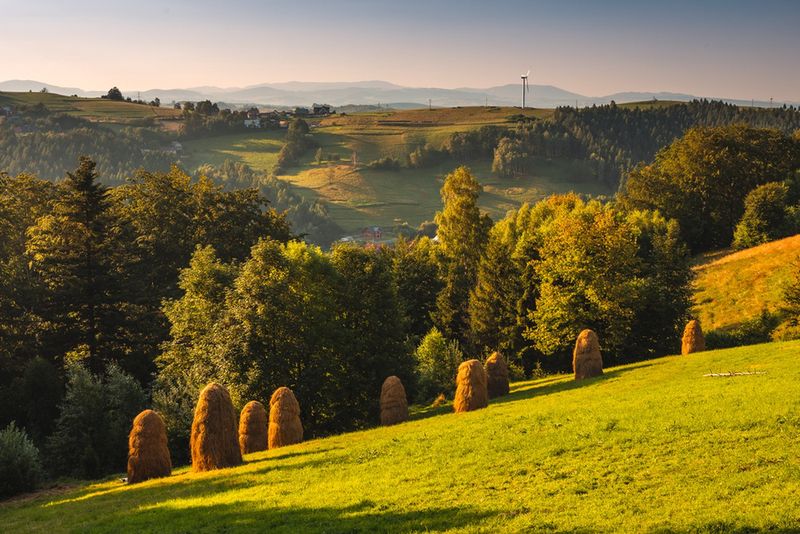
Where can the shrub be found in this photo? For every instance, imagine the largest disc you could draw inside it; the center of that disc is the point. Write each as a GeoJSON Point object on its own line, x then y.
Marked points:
{"type": "Point", "coordinates": [253, 428]}
{"type": "Point", "coordinates": [20, 468]}
{"type": "Point", "coordinates": [394, 404]}
{"type": "Point", "coordinates": [285, 427]}
{"type": "Point", "coordinates": [471, 391]}
{"type": "Point", "coordinates": [214, 436]}
{"type": "Point", "coordinates": [174, 400]}
{"type": "Point", "coordinates": [385, 164]}
{"type": "Point", "coordinates": [759, 329]}
{"type": "Point", "coordinates": [587, 361]}
{"type": "Point", "coordinates": [148, 454]}
{"type": "Point", "coordinates": [437, 364]}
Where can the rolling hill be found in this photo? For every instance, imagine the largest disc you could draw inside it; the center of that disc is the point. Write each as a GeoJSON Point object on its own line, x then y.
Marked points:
{"type": "Point", "coordinates": [733, 287]}
{"type": "Point", "coordinates": [618, 453]}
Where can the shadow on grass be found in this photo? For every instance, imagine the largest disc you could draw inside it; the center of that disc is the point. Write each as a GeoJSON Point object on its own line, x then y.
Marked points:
{"type": "Point", "coordinates": [253, 516]}
{"type": "Point", "coordinates": [545, 386]}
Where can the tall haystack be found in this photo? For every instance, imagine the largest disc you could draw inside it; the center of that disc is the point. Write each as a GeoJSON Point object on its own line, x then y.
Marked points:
{"type": "Point", "coordinates": [253, 428]}
{"type": "Point", "coordinates": [586, 359]}
{"type": "Point", "coordinates": [148, 454]}
{"type": "Point", "coordinates": [471, 392]}
{"type": "Point", "coordinates": [496, 375]}
{"type": "Point", "coordinates": [394, 404]}
{"type": "Point", "coordinates": [285, 427]}
{"type": "Point", "coordinates": [693, 339]}
{"type": "Point", "coordinates": [214, 441]}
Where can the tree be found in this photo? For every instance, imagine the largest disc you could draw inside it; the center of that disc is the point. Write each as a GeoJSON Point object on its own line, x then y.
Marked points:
{"type": "Point", "coordinates": [115, 94]}
{"type": "Point", "coordinates": [765, 216]}
{"type": "Point", "coordinates": [416, 276]}
{"type": "Point", "coordinates": [701, 180]}
{"type": "Point", "coordinates": [78, 253]}
{"type": "Point", "coordinates": [437, 365]}
{"type": "Point", "coordinates": [462, 236]}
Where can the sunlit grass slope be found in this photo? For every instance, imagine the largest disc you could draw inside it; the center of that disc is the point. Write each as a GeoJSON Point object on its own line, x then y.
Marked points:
{"type": "Point", "coordinates": [733, 287]}
{"type": "Point", "coordinates": [654, 446]}
{"type": "Point", "coordinates": [96, 109]}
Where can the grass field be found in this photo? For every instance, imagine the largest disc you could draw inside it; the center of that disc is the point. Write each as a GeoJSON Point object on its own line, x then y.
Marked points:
{"type": "Point", "coordinates": [360, 196]}
{"type": "Point", "coordinates": [653, 446]}
{"type": "Point", "coordinates": [94, 109]}
{"type": "Point", "coordinates": [732, 287]}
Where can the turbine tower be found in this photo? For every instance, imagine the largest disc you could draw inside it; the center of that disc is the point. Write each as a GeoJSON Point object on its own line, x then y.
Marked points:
{"type": "Point", "coordinates": [525, 87]}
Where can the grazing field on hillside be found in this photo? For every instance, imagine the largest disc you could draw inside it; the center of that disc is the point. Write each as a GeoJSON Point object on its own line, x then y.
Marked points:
{"type": "Point", "coordinates": [96, 109]}
{"type": "Point", "coordinates": [732, 287]}
{"type": "Point", "coordinates": [362, 196]}
{"type": "Point", "coordinates": [653, 446]}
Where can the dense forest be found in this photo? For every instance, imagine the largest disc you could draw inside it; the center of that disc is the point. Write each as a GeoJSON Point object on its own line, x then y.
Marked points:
{"type": "Point", "coordinates": [113, 298]}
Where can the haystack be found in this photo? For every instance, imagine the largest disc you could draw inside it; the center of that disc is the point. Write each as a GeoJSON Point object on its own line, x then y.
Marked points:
{"type": "Point", "coordinates": [214, 441]}
{"type": "Point", "coordinates": [394, 404]}
{"type": "Point", "coordinates": [586, 359]}
{"type": "Point", "coordinates": [285, 427]}
{"type": "Point", "coordinates": [496, 375]}
{"type": "Point", "coordinates": [253, 428]}
{"type": "Point", "coordinates": [148, 454]}
{"type": "Point", "coordinates": [471, 392]}
{"type": "Point", "coordinates": [693, 339]}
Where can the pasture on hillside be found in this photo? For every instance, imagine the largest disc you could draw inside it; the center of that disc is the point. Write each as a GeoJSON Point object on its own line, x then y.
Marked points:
{"type": "Point", "coordinates": [362, 196]}
{"type": "Point", "coordinates": [734, 287]}
{"type": "Point", "coordinates": [93, 109]}
{"type": "Point", "coordinates": [650, 446]}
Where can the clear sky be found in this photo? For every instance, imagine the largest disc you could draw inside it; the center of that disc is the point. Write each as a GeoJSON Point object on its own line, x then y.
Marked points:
{"type": "Point", "coordinates": [731, 48]}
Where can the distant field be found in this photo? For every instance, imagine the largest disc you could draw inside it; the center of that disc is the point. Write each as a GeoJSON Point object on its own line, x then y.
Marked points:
{"type": "Point", "coordinates": [360, 196]}
{"type": "Point", "coordinates": [95, 109]}
{"type": "Point", "coordinates": [733, 287]}
{"type": "Point", "coordinates": [654, 446]}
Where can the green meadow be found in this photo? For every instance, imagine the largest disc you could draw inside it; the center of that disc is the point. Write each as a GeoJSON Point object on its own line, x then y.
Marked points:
{"type": "Point", "coordinates": [654, 446]}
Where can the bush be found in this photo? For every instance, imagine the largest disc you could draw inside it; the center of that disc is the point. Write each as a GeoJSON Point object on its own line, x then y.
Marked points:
{"type": "Point", "coordinates": [756, 330]}
{"type": "Point", "coordinates": [20, 468]}
{"type": "Point", "coordinates": [91, 432]}
{"type": "Point", "coordinates": [174, 400]}
{"type": "Point", "coordinates": [385, 164]}
{"type": "Point", "coordinates": [437, 364]}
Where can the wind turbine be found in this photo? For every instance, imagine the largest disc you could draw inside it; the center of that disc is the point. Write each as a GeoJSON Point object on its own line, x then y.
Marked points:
{"type": "Point", "coordinates": [525, 87]}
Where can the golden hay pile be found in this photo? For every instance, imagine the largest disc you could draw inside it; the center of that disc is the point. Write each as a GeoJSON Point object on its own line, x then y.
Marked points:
{"type": "Point", "coordinates": [471, 392]}
{"type": "Point", "coordinates": [214, 440]}
{"type": "Point", "coordinates": [148, 454]}
{"type": "Point", "coordinates": [253, 428]}
{"type": "Point", "coordinates": [394, 404]}
{"type": "Point", "coordinates": [693, 339]}
{"type": "Point", "coordinates": [496, 375]}
{"type": "Point", "coordinates": [285, 427]}
{"type": "Point", "coordinates": [586, 359]}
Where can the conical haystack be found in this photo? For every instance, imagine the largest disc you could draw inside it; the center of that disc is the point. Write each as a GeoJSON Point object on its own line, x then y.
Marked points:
{"type": "Point", "coordinates": [586, 359]}
{"type": "Point", "coordinates": [693, 339]}
{"type": "Point", "coordinates": [394, 404]}
{"type": "Point", "coordinates": [214, 440]}
{"type": "Point", "coordinates": [148, 454]}
{"type": "Point", "coordinates": [496, 375]}
{"type": "Point", "coordinates": [253, 428]}
{"type": "Point", "coordinates": [471, 392]}
{"type": "Point", "coordinates": [285, 427]}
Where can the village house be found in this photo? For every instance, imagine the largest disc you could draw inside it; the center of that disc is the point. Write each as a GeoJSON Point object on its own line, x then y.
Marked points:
{"type": "Point", "coordinates": [321, 109]}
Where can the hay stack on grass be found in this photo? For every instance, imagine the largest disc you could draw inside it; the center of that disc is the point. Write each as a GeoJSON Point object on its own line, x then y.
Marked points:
{"type": "Point", "coordinates": [148, 454]}
{"type": "Point", "coordinates": [253, 428]}
{"type": "Point", "coordinates": [285, 427]}
{"type": "Point", "coordinates": [214, 440]}
{"type": "Point", "coordinates": [586, 359]}
{"type": "Point", "coordinates": [693, 339]}
{"type": "Point", "coordinates": [496, 375]}
{"type": "Point", "coordinates": [471, 392]}
{"type": "Point", "coordinates": [394, 404]}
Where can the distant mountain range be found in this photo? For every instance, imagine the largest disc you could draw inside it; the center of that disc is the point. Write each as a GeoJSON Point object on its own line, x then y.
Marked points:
{"type": "Point", "coordinates": [375, 92]}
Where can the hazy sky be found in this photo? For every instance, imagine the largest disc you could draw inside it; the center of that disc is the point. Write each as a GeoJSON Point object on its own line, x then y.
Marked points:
{"type": "Point", "coordinates": [732, 48]}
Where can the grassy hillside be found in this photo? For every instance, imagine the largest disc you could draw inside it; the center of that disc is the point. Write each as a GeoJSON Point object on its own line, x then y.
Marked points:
{"type": "Point", "coordinates": [361, 196]}
{"type": "Point", "coordinates": [732, 287]}
{"type": "Point", "coordinates": [650, 446]}
{"type": "Point", "coordinates": [95, 109]}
